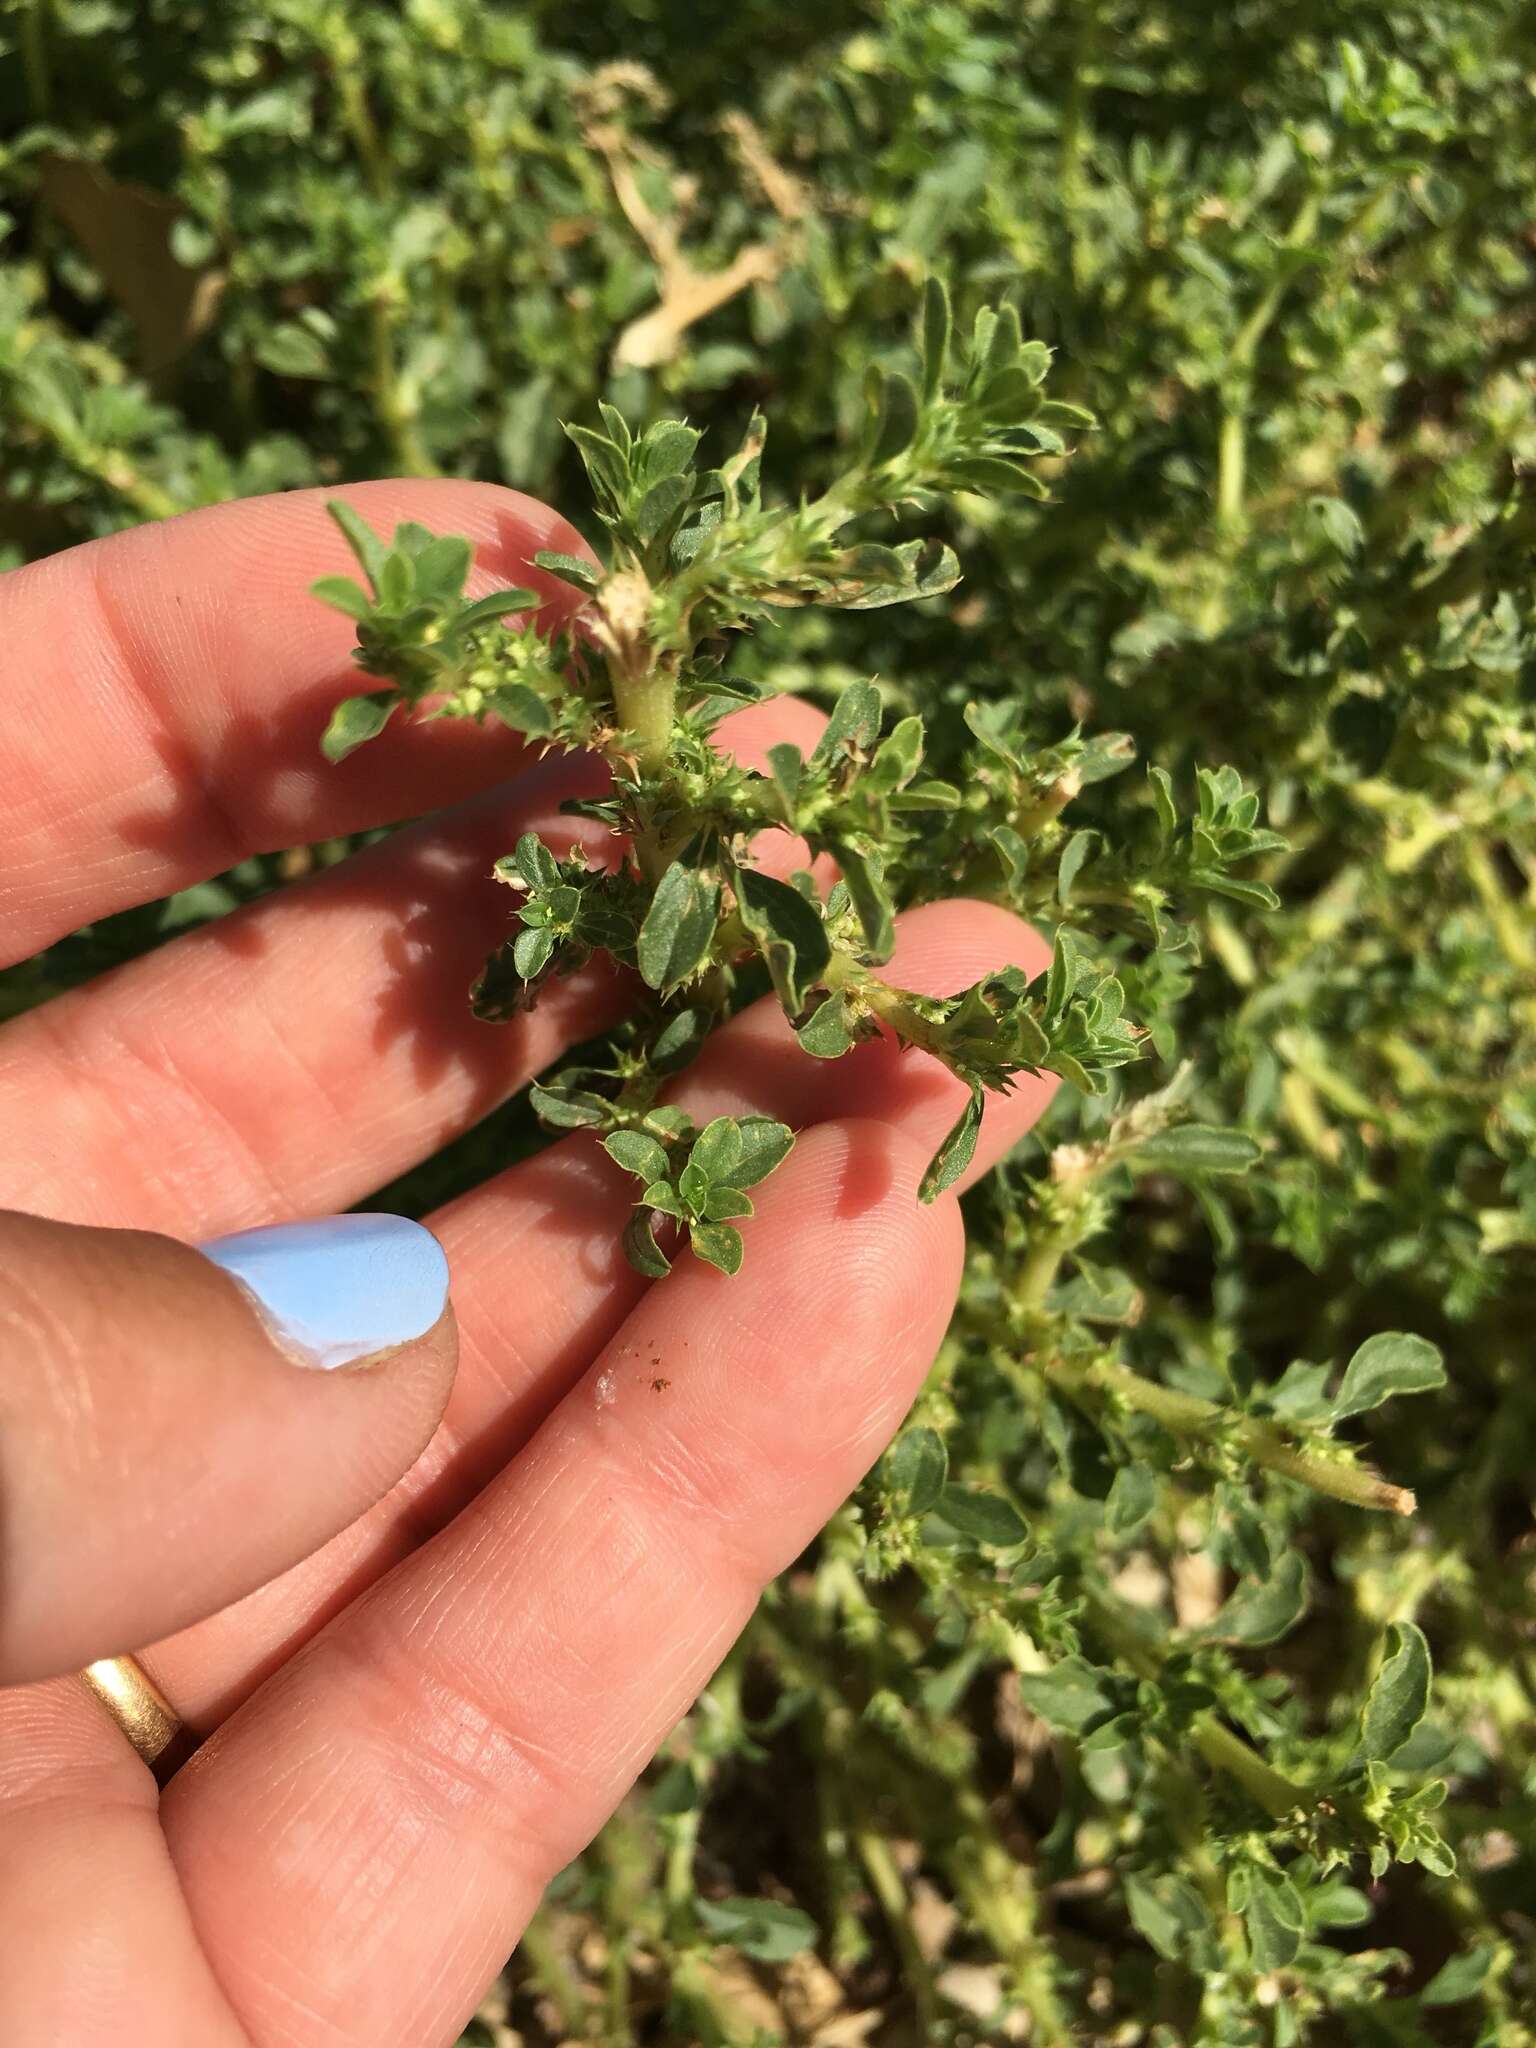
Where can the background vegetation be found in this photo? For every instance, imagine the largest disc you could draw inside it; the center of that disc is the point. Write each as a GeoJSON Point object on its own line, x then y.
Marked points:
{"type": "Point", "coordinates": [1098, 1715]}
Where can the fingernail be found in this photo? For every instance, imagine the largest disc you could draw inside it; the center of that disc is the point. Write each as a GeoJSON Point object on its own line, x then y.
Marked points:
{"type": "Point", "coordinates": [340, 1288]}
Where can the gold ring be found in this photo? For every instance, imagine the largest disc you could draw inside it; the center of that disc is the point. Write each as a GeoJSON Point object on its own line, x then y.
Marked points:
{"type": "Point", "coordinates": [138, 1706]}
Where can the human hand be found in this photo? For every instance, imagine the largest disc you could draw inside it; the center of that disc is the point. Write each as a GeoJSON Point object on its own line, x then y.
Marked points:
{"type": "Point", "coordinates": [412, 1725]}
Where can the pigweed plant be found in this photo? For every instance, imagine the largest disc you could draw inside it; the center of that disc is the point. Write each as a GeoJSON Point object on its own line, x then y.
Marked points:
{"type": "Point", "coordinates": [1171, 1679]}
{"type": "Point", "coordinates": [643, 678]}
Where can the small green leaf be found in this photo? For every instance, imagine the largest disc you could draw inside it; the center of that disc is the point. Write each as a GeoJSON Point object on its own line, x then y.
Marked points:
{"type": "Point", "coordinates": [1073, 1695]}
{"type": "Point", "coordinates": [678, 1040]}
{"type": "Point", "coordinates": [289, 350]}
{"type": "Point", "coordinates": [1274, 1920]}
{"type": "Point", "coordinates": [679, 927]}
{"type": "Point", "coordinates": [1340, 524]}
{"type": "Point", "coordinates": [760, 1928]}
{"type": "Point", "coordinates": [532, 951]}
{"type": "Point", "coordinates": [569, 568]}
{"type": "Point", "coordinates": [1162, 799]}
{"type": "Point", "coordinates": [1390, 1363]}
{"type": "Point", "coordinates": [442, 566]}
{"type": "Point", "coordinates": [717, 1149]}
{"type": "Point", "coordinates": [916, 1467]}
{"type": "Point", "coordinates": [984, 1517]}
{"type": "Point", "coordinates": [641, 1248]}
{"type": "Point", "coordinates": [343, 594]}
{"type": "Point", "coordinates": [661, 505]}
{"type": "Point", "coordinates": [354, 720]}
{"type": "Point", "coordinates": [1168, 1913]}
{"type": "Point", "coordinates": [929, 568]}
{"type": "Point", "coordinates": [722, 1204]}
{"type": "Point", "coordinates": [666, 449]}
{"type": "Point", "coordinates": [717, 1244]}
{"type": "Point", "coordinates": [899, 756]}
{"type": "Point", "coordinates": [935, 336]}
{"type": "Point", "coordinates": [789, 933]}
{"type": "Point", "coordinates": [532, 860]}
{"type": "Point", "coordinates": [1196, 1148]}
{"type": "Point", "coordinates": [522, 709]}
{"type": "Point", "coordinates": [568, 1109]}
{"type": "Point", "coordinates": [606, 463]}
{"type": "Point", "coordinates": [826, 1033]}
{"type": "Point", "coordinates": [1301, 1393]}
{"type": "Point", "coordinates": [899, 417]}
{"type": "Point", "coordinates": [864, 872]}
{"type": "Point", "coordinates": [786, 764]}
{"type": "Point", "coordinates": [637, 1153]}
{"type": "Point", "coordinates": [1262, 1611]}
{"type": "Point", "coordinates": [763, 1145]}
{"type": "Point", "coordinates": [956, 1151]}
{"type": "Point", "coordinates": [1131, 1499]}
{"type": "Point", "coordinates": [853, 727]}
{"type": "Point", "coordinates": [1460, 1978]}
{"type": "Point", "coordinates": [361, 538]}
{"type": "Point", "coordinates": [397, 581]}
{"type": "Point", "coordinates": [1073, 856]}
{"type": "Point", "coordinates": [495, 606]}
{"type": "Point", "coordinates": [1399, 1699]}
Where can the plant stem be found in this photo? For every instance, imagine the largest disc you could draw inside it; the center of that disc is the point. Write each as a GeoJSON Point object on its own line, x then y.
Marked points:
{"type": "Point", "coordinates": [33, 35]}
{"type": "Point", "coordinates": [1232, 440]}
{"type": "Point", "coordinates": [1192, 1416]}
{"type": "Point", "coordinates": [647, 705]}
{"type": "Point", "coordinates": [398, 415]}
{"type": "Point", "coordinates": [886, 1883]}
{"type": "Point", "coordinates": [1231, 467]}
{"type": "Point", "coordinates": [1227, 1752]}
{"type": "Point", "coordinates": [891, 1005]}
{"type": "Point", "coordinates": [1223, 1750]}
{"type": "Point", "coordinates": [546, 1957]}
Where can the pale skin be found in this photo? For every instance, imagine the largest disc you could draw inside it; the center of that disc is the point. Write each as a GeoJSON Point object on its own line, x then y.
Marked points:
{"type": "Point", "coordinates": [410, 1725]}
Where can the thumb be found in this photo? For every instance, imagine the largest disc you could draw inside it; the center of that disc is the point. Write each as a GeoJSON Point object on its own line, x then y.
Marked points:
{"type": "Point", "coordinates": [178, 1426]}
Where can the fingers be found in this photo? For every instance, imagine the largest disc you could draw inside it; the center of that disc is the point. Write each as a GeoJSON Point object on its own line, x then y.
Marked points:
{"type": "Point", "coordinates": [176, 1428]}
{"type": "Point", "coordinates": [541, 1284]}
{"type": "Point", "coordinates": [297, 1054]}
{"type": "Point", "coordinates": [303, 1051]}
{"type": "Point", "coordinates": [464, 1728]}
{"type": "Point", "coordinates": [166, 690]}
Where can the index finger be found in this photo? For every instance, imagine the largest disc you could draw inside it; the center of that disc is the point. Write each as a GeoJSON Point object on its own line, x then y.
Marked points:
{"type": "Point", "coordinates": [167, 687]}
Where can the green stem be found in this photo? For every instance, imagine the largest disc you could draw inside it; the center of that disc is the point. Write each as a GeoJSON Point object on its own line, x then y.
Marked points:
{"type": "Point", "coordinates": [1041, 1263]}
{"type": "Point", "coordinates": [398, 415]}
{"type": "Point", "coordinates": [344, 52]}
{"type": "Point", "coordinates": [1190, 1415]}
{"type": "Point", "coordinates": [891, 1005]}
{"type": "Point", "coordinates": [33, 35]}
{"type": "Point", "coordinates": [1073, 145]}
{"type": "Point", "coordinates": [1231, 466]}
{"type": "Point", "coordinates": [1223, 1750]}
{"type": "Point", "coordinates": [886, 1883]}
{"type": "Point", "coordinates": [646, 703]}
{"type": "Point", "coordinates": [1232, 441]}
{"type": "Point", "coordinates": [1227, 1752]}
{"type": "Point", "coordinates": [546, 1958]}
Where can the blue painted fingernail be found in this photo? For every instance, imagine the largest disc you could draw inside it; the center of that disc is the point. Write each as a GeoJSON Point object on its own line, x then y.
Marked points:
{"type": "Point", "coordinates": [340, 1288]}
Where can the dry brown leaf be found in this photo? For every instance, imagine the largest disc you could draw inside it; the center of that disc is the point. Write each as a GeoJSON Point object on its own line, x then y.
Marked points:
{"type": "Point", "coordinates": [126, 232]}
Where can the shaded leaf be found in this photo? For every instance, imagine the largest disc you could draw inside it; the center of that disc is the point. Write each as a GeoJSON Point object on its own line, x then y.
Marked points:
{"type": "Point", "coordinates": [356, 720]}
{"type": "Point", "coordinates": [1399, 1698]}
{"type": "Point", "coordinates": [916, 1467]}
{"type": "Point", "coordinates": [1388, 1364]}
